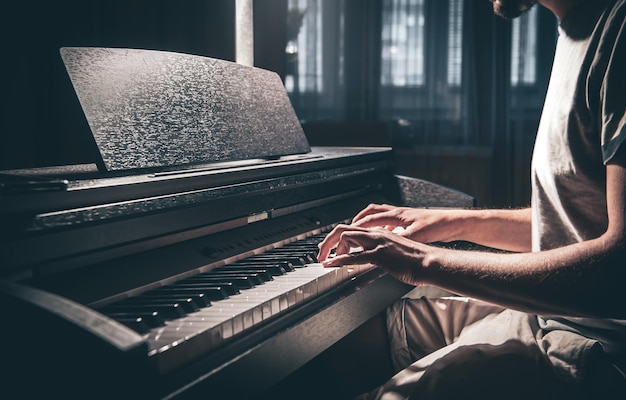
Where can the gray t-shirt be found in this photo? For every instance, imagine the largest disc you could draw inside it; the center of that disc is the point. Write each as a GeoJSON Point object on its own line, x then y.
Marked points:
{"type": "Point", "coordinates": [582, 125]}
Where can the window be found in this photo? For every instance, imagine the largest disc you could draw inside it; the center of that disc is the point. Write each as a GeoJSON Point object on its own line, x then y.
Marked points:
{"type": "Point", "coordinates": [315, 54]}
{"type": "Point", "coordinates": [524, 49]}
{"type": "Point", "coordinates": [425, 68]}
{"type": "Point", "coordinates": [304, 46]}
{"type": "Point", "coordinates": [421, 92]}
{"type": "Point", "coordinates": [404, 34]}
{"type": "Point", "coordinates": [403, 43]}
{"type": "Point", "coordinates": [455, 42]}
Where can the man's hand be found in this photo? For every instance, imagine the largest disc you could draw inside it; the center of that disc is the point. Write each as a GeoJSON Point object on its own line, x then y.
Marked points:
{"type": "Point", "coordinates": [419, 225]}
{"type": "Point", "coordinates": [499, 229]}
{"type": "Point", "coordinates": [399, 256]}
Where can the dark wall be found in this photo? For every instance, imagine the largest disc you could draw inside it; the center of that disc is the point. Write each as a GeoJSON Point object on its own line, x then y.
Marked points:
{"type": "Point", "coordinates": [42, 123]}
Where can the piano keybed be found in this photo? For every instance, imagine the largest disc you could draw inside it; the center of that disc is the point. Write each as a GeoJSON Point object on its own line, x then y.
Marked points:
{"type": "Point", "coordinates": [204, 311]}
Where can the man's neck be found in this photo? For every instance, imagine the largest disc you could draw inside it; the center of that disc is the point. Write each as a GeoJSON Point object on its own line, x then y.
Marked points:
{"type": "Point", "coordinates": [560, 8]}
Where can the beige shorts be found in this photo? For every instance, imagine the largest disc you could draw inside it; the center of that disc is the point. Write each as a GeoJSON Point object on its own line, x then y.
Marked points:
{"type": "Point", "coordinates": [455, 347]}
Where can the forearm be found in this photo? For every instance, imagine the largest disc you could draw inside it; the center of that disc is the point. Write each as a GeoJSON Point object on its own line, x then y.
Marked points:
{"type": "Point", "coordinates": [500, 229]}
{"type": "Point", "coordinates": [576, 280]}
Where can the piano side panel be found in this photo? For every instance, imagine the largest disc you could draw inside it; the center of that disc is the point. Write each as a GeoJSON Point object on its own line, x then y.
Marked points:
{"type": "Point", "coordinates": [55, 347]}
{"type": "Point", "coordinates": [413, 192]}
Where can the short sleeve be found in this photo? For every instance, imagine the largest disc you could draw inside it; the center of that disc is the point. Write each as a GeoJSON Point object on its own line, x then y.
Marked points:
{"type": "Point", "coordinates": [614, 85]}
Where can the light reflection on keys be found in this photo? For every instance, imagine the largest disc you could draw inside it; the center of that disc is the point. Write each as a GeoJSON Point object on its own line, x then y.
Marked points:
{"type": "Point", "coordinates": [211, 326]}
{"type": "Point", "coordinates": [251, 306]}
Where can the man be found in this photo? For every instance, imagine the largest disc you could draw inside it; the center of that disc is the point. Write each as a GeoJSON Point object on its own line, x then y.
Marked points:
{"type": "Point", "coordinates": [546, 319]}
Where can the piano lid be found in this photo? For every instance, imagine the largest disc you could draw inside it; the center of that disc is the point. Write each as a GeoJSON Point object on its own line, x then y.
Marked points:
{"type": "Point", "coordinates": [156, 109]}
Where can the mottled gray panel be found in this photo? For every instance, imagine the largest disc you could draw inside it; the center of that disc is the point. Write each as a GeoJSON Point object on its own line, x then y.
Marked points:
{"type": "Point", "coordinates": [150, 108]}
{"type": "Point", "coordinates": [419, 193]}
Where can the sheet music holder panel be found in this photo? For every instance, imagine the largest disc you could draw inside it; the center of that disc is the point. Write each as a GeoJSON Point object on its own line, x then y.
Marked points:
{"type": "Point", "coordinates": [155, 109]}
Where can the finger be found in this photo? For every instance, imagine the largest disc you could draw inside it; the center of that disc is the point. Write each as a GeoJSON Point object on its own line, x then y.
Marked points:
{"type": "Point", "coordinates": [326, 245]}
{"type": "Point", "coordinates": [382, 219]}
{"type": "Point", "coordinates": [330, 241]}
{"type": "Point", "coordinates": [371, 209]}
{"type": "Point", "coordinates": [357, 246]}
{"type": "Point", "coordinates": [354, 258]}
{"type": "Point", "coordinates": [415, 233]}
{"type": "Point", "coordinates": [351, 241]}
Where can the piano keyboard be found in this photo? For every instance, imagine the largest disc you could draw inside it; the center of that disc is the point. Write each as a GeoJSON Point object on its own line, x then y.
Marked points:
{"type": "Point", "coordinates": [198, 314]}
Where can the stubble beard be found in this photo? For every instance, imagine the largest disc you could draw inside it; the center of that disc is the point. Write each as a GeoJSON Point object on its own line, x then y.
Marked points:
{"type": "Point", "coordinates": [512, 8]}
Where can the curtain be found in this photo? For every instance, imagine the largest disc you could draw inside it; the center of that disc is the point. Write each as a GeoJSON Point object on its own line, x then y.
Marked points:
{"type": "Point", "coordinates": [442, 76]}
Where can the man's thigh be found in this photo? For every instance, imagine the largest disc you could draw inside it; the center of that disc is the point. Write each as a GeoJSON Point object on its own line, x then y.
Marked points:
{"type": "Point", "coordinates": [418, 327]}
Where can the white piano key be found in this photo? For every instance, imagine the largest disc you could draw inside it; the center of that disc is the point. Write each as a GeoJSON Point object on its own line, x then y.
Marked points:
{"type": "Point", "coordinates": [212, 326]}
{"type": "Point", "coordinates": [162, 338]}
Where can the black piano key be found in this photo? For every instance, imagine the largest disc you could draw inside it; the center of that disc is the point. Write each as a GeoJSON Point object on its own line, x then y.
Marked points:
{"type": "Point", "coordinates": [135, 323]}
{"type": "Point", "coordinates": [210, 293]}
{"type": "Point", "coordinates": [168, 311]}
{"type": "Point", "coordinates": [307, 256]}
{"type": "Point", "coordinates": [188, 295]}
{"type": "Point", "coordinates": [199, 299]}
{"type": "Point", "coordinates": [187, 304]}
{"type": "Point", "coordinates": [152, 319]}
{"type": "Point", "coordinates": [300, 246]}
{"type": "Point", "coordinates": [241, 282]}
{"type": "Point", "coordinates": [229, 288]}
{"type": "Point", "coordinates": [309, 249]}
{"type": "Point", "coordinates": [285, 265]}
{"type": "Point", "coordinates": [255, 278]}
{"type": "Point", "coordinates": [149, 309]}
{"type": "Point", "coordinates": [296, 247]}
{"type": "Point", "coordinates": [261, 273]}
{"type": "Point", "coordinates": [272, 269]}
{"type": "Point", "coordinates": [295, 261]}
{"type": "Point", "coordinates": [305, 245]}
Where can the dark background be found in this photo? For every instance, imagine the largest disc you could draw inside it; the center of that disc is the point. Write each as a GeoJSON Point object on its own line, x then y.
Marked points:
{"type": "Point", "coordinates": [42, 123]}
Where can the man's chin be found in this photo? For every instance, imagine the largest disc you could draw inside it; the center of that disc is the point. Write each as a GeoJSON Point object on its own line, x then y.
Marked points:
{"type": "Point", "coordinates": [512, 8]}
